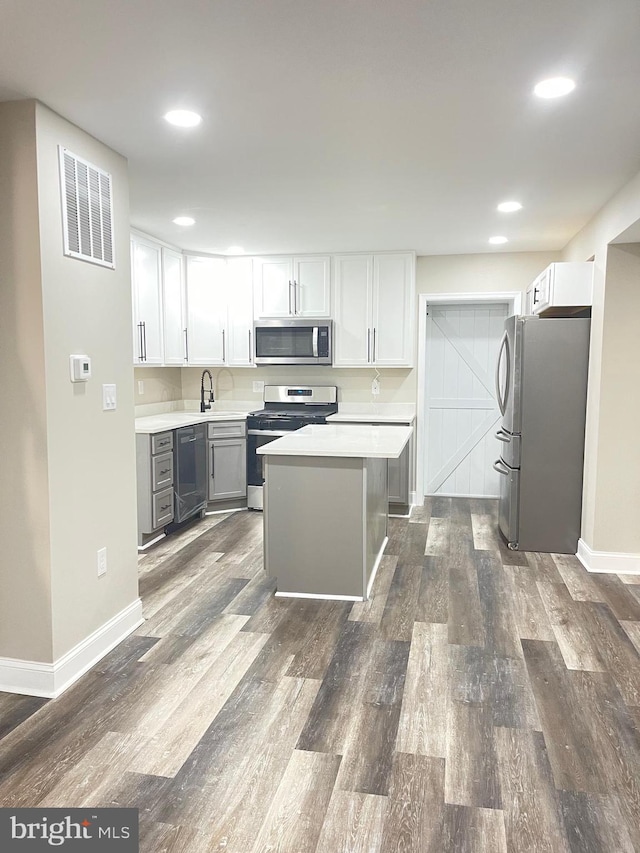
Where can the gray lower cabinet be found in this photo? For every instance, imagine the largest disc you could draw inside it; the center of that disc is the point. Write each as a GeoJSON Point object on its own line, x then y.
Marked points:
{"type": "Point", "coordinates": [227, 461]}
{"type": "Point", "coordinates": [154, 469]}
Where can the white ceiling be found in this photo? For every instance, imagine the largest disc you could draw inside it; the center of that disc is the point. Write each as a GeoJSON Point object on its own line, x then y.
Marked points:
{"type": "Point", "coordinates": [343, 125]}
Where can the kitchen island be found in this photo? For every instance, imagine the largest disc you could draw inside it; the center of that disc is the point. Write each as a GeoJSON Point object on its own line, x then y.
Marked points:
{"type": "Point", "coordinates": [325, 508]}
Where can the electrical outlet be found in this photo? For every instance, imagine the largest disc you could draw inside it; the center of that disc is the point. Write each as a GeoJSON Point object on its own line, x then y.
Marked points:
{"type": "Point", "coordinates": [141, 386]}
{"type": "Point", "coordinates": [108, 397]}
{"type": "Point", "coordinates": [102, 562]}
{"type": "Point", "coordinates": [375, 386]}
{"type": "Point", "coordinates": [258, 385]}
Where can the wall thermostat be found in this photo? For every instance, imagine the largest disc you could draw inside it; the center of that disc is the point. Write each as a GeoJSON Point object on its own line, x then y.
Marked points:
{"type": "Point", "coordinates": [80, 367]}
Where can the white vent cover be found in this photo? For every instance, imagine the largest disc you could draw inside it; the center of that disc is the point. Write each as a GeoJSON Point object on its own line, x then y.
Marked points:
{"type": "Point", "coordinates": [87, 210]}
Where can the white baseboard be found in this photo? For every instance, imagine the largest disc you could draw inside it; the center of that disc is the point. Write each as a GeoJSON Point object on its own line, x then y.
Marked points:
{"type": "Point", "coordinates": [49, 680]}
{"type": "Point", "coordinates": [607, 561]}
{"type": "Point", "coordinates": [318, 596]}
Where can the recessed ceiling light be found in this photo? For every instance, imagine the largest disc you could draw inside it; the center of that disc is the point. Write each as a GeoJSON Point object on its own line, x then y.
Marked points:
{"type": "Point", "coordinates": [184, 220]}
{"type": "Point", "coordinates": [555, 87]}
{"type": "Point", "coordinates": [183, 118]}
{"type": "Point", "coordinates": [496, 241]}
{"type": "Point", "coordinates": [509, 206]}
{"type": "Point", "coordinates": [235, 250]}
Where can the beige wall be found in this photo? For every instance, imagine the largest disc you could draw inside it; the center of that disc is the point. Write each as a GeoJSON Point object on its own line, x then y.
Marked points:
{"type": "Point", "coordinates": [91, 460]}
{"type": "Point", "coordinates": [491, 272]}
{"type": "Point", "coordinates": [160, 384]}
{"type": "Point", "coordinates": [69, 468]}
{"type": "Point", "coordinates": [600, 529]}
{"type": "Point", "coordinates": [25, 581]}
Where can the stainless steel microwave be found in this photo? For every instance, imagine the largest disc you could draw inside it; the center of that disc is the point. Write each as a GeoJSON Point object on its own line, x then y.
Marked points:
{"type": "Point", "coordinates": [296, 340]}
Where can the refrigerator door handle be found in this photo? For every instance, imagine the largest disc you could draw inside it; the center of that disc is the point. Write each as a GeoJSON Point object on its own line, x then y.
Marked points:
{"type": "Point", "coordinates": [501, 435]}
{"type": "Point", "coordinates": [502, 401]}
{"type": "Point", "coordinates": [501, 468]}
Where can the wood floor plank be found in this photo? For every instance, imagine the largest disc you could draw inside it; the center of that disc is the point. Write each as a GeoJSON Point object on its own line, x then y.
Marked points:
{"type": "Point", "coordinates": [297, 812]}
{"type": "Point", "coordinates": [564, 719]}
{"type": "Point", "coordinates": [415, 817]}
{"type": "Point", "coordinates": [529, 612]}
{"type": "Point", "coordinates": [372, 609]}
{"type": "Point", "coordinates": [14, 710]}
{"type": "Point", "coordinates": [321, 638]}
{"type": "Point", "coordinates": [500, 628]}
{"type": "Point", "coordinates": [466, 626]}
{"type": "Point", "coordinates": [402, 600]}
{"type": "Point", "coordinates": [567, 616]}
{"type": "Point", "coordinates": [370, 746]}
{"type": "Point", "coordinates": [618, 596]}
{"type": "Point", "coordinates": [353, 823]}
{"type": "Point", "coordinates": [483, 527]}
{"type": "Point", "coordinates": [532, 814]}
{"type": "Point", "coordinates": [579, 582]}
{"type": "Point", "coordinates": [421, 514]}
{"type": "Point", "coordinates": [632, 630]}
{"type": "Point", "coordinates": [594, 824]}
{"type": "Point", "coordinates": [631, 580]}
{"type": "Point", "coordinates": [471, 830]}
{"type": "Point", "coordinates": [437, 542]}
{"type": "Point", "coordinates": [616, 650]}
{"type": "Point", "coordinates": [543, 568]}
{"type": "Point", "coordinates": [433, 598]}
{"type": "Point", "coordinates": [422, 728]}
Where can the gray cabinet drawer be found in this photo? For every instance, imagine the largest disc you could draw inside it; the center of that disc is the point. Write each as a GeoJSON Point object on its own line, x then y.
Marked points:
{"type": "Point", "coordinates": [162, 508]}
{"type": "Point", "coordinates": [161, 471]}
{"type": "Point", "coordinates": [161, 442]}
{"type": "Point", "coordinates": [227, 429]}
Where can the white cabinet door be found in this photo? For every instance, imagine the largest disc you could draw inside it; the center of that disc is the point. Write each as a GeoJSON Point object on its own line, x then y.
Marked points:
{"type": "Point", "coordinates": [173, 307]}
{"type": "Point", "coordinates": [393, 310]}
{"type": "Point", "coordinates": [273, 287]}
{"type": "Point", "coordinates": [240, 312]}
{"type": "Point", "coordinates": [312, 287]}
{"type": "Point", "coordinates": [147, 302]}
{"type": "Point", "coordinates": [206, 310]}
{"type": "Point", "coordinates": [353, 310]}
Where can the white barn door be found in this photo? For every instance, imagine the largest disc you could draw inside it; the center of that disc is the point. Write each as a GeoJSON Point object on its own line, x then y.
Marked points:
{"type": "Point", "coordinates": [461, 409]}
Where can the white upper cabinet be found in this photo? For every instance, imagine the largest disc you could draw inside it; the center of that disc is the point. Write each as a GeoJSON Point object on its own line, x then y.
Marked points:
{"type": "Point", "coordinates": [352, 301]}
{"type": "Point", "coordinates": [147, 302]}
{"type": "Point", "coordinates": [239, 312]}
{"type": "Point", "coordinates": [292, 286]}
{"type": "Point", "coordinates": [374, 310]}
{"type": "Point", "coordinates": [562, 285]}
{"type": "Point", "coordinates": [393, 310]}
{"type": "Point", "coordinates": [173, 308]}
{"type": "Point", "coordinates": [206, 310]}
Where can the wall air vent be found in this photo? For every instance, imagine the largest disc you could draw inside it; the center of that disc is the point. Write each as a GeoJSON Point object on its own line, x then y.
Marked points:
{"type": "Point", "coordinates": [87, 210]}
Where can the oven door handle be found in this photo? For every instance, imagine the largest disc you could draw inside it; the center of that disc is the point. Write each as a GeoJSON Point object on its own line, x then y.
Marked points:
{"type": "Point", "coordinates": [270, 431]}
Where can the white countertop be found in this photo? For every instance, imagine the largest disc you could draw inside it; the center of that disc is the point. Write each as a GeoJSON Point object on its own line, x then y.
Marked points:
{"type": "Point", "coordinates": [368, 417]}
{"type": "Point", "coordinates": [175, 420]}
{"type": "Point", "coordinates": [356, 441]}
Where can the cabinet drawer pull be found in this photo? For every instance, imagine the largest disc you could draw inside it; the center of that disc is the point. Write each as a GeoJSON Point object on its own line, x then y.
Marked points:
{"type": "Point", "coordinates": [165, 471]}
{"type": "Point", "coordinates": [163, 508]}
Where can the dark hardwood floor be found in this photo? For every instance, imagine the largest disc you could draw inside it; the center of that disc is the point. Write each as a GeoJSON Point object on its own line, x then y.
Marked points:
{"type": "Point", "coordinates": [481, 700]}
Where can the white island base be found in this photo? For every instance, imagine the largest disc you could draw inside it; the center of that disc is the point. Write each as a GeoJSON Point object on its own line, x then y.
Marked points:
{"type": "Point", "coordinates": [325, 515]}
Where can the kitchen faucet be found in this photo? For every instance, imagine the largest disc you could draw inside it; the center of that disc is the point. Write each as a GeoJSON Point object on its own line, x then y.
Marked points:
{"type": "Point", "coordinates": [204, 406]}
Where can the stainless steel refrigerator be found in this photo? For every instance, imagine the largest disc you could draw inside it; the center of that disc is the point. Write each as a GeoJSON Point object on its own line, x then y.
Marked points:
{"type": "Point", "coordinates": [541, 384]}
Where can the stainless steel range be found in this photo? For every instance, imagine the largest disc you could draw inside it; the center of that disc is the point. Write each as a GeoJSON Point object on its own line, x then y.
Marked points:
{"type": "Point", "coordinates": [286, 408]}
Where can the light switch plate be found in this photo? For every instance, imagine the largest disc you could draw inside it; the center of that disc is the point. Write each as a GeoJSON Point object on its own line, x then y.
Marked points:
{"type": "Point", "coordinates": [108, 397]}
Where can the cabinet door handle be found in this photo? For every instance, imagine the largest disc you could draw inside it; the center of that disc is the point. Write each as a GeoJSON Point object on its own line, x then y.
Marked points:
{"type": "Point", "coordinates": [296, 297]}
{"type": "Point", "coordinates": [374, 345]}
{"type": "Point", "coordinates": [223, 347]}
{"type": "Point", "coordinates": [369, 345]}
{"type": "Point", "coordinates": [212, 462]}
{"type": "Point", "coordinates": [144, 338]}
{"type": "Point", "coordinates": [250, 353]}
{"type": "Point", "coordinates": [536, 291]}
{"type": "Point", "coordinates": [291, 310]}
{"type": "Point", "coordinates": [141, 354]}
{"type": "Point", "coordinates": [186, 344]}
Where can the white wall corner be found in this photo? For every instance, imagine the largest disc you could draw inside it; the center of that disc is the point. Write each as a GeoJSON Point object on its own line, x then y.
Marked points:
{"type": "Point", "coordinates": [49, 680]}
{"type": "Point", "coordinates": [610, 562]}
